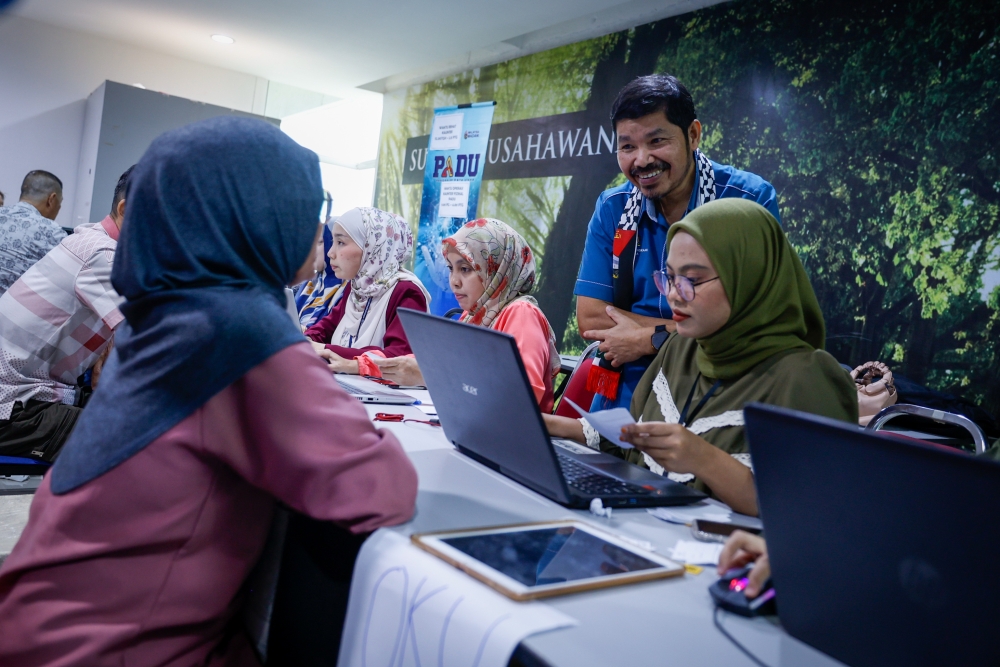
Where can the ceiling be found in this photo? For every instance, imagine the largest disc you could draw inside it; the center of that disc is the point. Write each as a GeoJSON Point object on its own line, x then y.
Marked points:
{"type": "Point", "coordinates": [336, 46]}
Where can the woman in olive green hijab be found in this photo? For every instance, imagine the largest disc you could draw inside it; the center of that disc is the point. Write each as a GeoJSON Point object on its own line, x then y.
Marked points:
{"type": "Point", "coordinates": [749, 329]}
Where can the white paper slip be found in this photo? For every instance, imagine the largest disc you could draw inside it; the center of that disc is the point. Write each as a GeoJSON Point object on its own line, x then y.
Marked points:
{"type": "Point", "coordinates": [686, 515]}
{"type": "Point", "coordinates": [696, 553]}
{"type": "Point", "coordinates": [608, 423]}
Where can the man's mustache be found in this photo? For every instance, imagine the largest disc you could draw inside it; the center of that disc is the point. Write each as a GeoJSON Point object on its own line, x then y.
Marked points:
{"type": "Point", "coordinates": [639, 171]}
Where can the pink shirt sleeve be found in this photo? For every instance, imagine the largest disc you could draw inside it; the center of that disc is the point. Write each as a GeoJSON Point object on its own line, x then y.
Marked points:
{"type": "Point", "coordinates": [313, 447]}
{"type": "Point", "coordinates": [527, 324]}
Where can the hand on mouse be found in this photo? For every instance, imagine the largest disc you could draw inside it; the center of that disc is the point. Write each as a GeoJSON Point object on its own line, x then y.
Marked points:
{"type": "Point", "coordinates": [741, 549]}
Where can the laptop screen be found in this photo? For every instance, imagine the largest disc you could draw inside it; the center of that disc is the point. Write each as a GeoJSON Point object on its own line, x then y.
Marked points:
{"type": "Point", "coordinates": [480, 390]}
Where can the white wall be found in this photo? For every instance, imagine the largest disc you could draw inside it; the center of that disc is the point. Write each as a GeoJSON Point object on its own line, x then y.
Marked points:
{"type": "Point", "coordinates": [49, 141]}
{"type": "Point", "coordinates": [46, 74]}
{"type": "Point", "coordinates": [344, 134]}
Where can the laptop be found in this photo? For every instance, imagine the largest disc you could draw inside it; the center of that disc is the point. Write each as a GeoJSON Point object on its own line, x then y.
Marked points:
{"type": "Point", "coordinates": [881, 550]}
{"type": "Point", "coordinates": [487, 408]}
{"type": "Point", "coordinates": [367, 391]}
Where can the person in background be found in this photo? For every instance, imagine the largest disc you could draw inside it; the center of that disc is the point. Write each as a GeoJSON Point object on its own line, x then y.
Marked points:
{"type": "Point", "coordinates": [1, 198]}
{"type": "Point", "coordinates": [138, 545]}
{"type": "Point", "coordinates": [492, 273]}
{"type": "Point", "coordinates": [27, 230]}
{"type": "Point", "coordinates": [617, 303]}
{"type": "Point", "coordinates": [749, 328]}
{"type": "Point", "coordinates": [56, 322]}
{"type": "Point", "coordinates": [369, 250]}
{"type": "Point", "coordinates": [317, 296]}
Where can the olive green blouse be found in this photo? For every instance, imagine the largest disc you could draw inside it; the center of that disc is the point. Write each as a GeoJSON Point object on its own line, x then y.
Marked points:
{"type": "Point", "coordinates": [799, 378]}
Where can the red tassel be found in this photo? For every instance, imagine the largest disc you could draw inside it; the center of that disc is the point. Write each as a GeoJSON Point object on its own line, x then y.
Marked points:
{"type": "Point", "coordinates": [603, 381]}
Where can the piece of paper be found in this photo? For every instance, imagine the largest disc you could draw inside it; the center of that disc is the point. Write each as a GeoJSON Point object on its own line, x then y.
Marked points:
{"type": "Point", "coordinates": [696, 553]}
{"type": "Point", "coordinates": [408, 608]}
{"type": "Point", "coordinates": [454, 202]}
{"type": "Point", "coordinates": [686, 515]}
{"type": "Point", "coordinates": [446, 132]}
{"type": "Point", "coordinates": [608, 423]}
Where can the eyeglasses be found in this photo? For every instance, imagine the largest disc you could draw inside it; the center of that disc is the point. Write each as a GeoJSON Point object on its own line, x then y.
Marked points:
{"type": "Point", "coordinates": [685, 286]}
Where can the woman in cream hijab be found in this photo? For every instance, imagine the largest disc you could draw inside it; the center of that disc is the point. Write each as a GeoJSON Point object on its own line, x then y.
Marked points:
{"type": "Point", "coordinates": [370, 247]}
{"type": "Point", "coordinates": [749, 329]}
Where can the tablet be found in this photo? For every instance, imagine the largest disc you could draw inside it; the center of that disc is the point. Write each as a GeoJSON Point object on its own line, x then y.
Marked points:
{"type": "Point", "coordinates": [537, 560]}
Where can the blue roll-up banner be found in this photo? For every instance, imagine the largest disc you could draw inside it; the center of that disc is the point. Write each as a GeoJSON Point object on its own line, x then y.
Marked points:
{"type": "Point", "coordinates": [456, 156]}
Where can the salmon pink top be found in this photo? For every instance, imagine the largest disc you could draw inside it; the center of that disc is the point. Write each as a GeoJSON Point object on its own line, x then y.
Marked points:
{"type": "Point", "coordinates": [527, 324]}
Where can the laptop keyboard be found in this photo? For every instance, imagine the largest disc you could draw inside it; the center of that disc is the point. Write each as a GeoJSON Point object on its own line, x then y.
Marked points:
{"type": "Point", "coordinates": [354, 391]}
{"type": "Point", "coordinates": [590, 483]}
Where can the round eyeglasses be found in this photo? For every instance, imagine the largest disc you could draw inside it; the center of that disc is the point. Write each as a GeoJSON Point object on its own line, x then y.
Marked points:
{"type": "Point", "coordinates": [684, 286]}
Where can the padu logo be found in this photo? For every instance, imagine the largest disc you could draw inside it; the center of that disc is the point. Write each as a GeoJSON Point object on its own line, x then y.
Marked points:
{"type": "Point", "coordinates": [468, 389]}
{"type": "Point", "coordinates": [464, 166]}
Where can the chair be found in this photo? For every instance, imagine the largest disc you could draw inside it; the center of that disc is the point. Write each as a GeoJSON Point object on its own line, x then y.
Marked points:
{"type": "Point", "coordinates": [17, 465]}
{"type": "Point", "coordinates": [575, 387]}
{"type": "Point", "coordinates": [939, 416]}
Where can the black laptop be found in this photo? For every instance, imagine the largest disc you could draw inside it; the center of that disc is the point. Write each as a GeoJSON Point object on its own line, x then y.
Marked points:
{"type": "Point", "coordinates": [882, 551]}
{"type": "Point", "coordinates": [487, 408]}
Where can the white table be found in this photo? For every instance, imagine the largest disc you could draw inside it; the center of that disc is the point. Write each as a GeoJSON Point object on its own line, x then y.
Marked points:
{"type": "Point", "coordinates": [667, 622]}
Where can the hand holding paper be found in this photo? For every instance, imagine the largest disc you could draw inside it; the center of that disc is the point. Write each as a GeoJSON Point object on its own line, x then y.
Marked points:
{"type": "Point", "coordinates": [608, 423]}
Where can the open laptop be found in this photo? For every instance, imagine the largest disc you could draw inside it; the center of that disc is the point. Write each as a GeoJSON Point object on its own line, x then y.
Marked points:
{"type": "Point", "coordinates": [367, 391]}
{"type": "Point", "coordinates": [488, 411]}
{"type": "Point", "coordinates": [882, 551]}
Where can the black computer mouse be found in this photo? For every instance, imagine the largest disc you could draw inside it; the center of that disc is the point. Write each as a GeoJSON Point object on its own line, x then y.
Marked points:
{"type": "Point", "coordinates": [728, 593]}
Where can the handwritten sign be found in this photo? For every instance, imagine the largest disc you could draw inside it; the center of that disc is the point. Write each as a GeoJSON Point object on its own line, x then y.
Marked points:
{"type": "Point", "coordinates": [408, 608]}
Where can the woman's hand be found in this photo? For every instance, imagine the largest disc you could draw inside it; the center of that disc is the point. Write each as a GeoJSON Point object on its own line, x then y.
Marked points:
{"type": "Point", "coordinates": [401, 370]}
{"type": "Point", "coordinates": [671, 445]}
{"type": "Point", "coordinates": [318, 348]}
{"type": "Point", "coordinates": [741, 549]}
{"type": "Point", "coordinates": [337, 363]}
{"type": "Point", "coordinates": [564, 427]}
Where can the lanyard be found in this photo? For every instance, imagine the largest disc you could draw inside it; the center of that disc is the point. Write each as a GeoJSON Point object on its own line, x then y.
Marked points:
{"type": "Point", "coordinates": [350, 338]}
{"type": "Point", "coordinates": [701, 403]}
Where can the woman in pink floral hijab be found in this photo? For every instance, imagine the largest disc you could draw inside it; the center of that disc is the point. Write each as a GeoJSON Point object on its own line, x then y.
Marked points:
{"type": "Point", "coordinates": [492, 273]}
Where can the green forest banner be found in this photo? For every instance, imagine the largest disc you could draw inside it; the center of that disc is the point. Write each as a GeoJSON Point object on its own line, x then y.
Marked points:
{"type": "Point", "coordinates": [877, 123]}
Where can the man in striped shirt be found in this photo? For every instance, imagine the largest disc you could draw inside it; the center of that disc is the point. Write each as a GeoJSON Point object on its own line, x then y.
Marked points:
{"type": "Point", "coordinates": [56, 322]}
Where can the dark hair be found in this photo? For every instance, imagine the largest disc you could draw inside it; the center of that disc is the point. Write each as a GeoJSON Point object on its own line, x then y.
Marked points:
{"type": "Point", "coordinates": [652, 93]}
{"type": "Point", "coordinates": [39, 184]}
{"type": "Point", "coordinates": [120, 189]}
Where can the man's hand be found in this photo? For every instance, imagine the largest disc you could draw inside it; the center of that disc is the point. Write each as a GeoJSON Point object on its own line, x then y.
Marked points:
{"type": "Point", "coordinates": [624, 342]}
{"type": "Point", "coordinates": [671, 445]}
{"type": "Point", "coordinates": [743, 548]}
{"type": "Point", "coordinates": [98, 367]}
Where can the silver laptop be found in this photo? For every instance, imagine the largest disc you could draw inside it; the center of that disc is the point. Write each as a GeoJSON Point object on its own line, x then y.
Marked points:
{"type": "Point", "coordinates": [367, 391]}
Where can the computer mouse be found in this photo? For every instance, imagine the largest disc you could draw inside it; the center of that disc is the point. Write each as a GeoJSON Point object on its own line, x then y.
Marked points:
{"type": "Point", "coordinates": [728, 593]}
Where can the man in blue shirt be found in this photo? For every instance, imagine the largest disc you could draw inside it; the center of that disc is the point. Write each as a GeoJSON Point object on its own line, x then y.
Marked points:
{"type": "Point", "coordinates": [617, 302]}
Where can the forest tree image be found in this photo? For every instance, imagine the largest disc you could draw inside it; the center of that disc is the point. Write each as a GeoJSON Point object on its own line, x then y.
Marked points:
{"type": "Point", "coordinates": [877, 123]}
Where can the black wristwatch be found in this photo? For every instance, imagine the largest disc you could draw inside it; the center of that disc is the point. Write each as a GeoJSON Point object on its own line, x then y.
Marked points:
{"type": "Point", "coordinates": [660, 336]}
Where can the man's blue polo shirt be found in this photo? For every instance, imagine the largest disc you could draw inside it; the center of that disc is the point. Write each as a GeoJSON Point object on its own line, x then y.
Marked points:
{"type": "Point", "coordinates": [594, 279]}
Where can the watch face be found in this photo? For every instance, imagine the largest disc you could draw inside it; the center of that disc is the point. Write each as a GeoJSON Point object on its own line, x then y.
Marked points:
{"type": "Point", "coordinates": [659, 338]}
